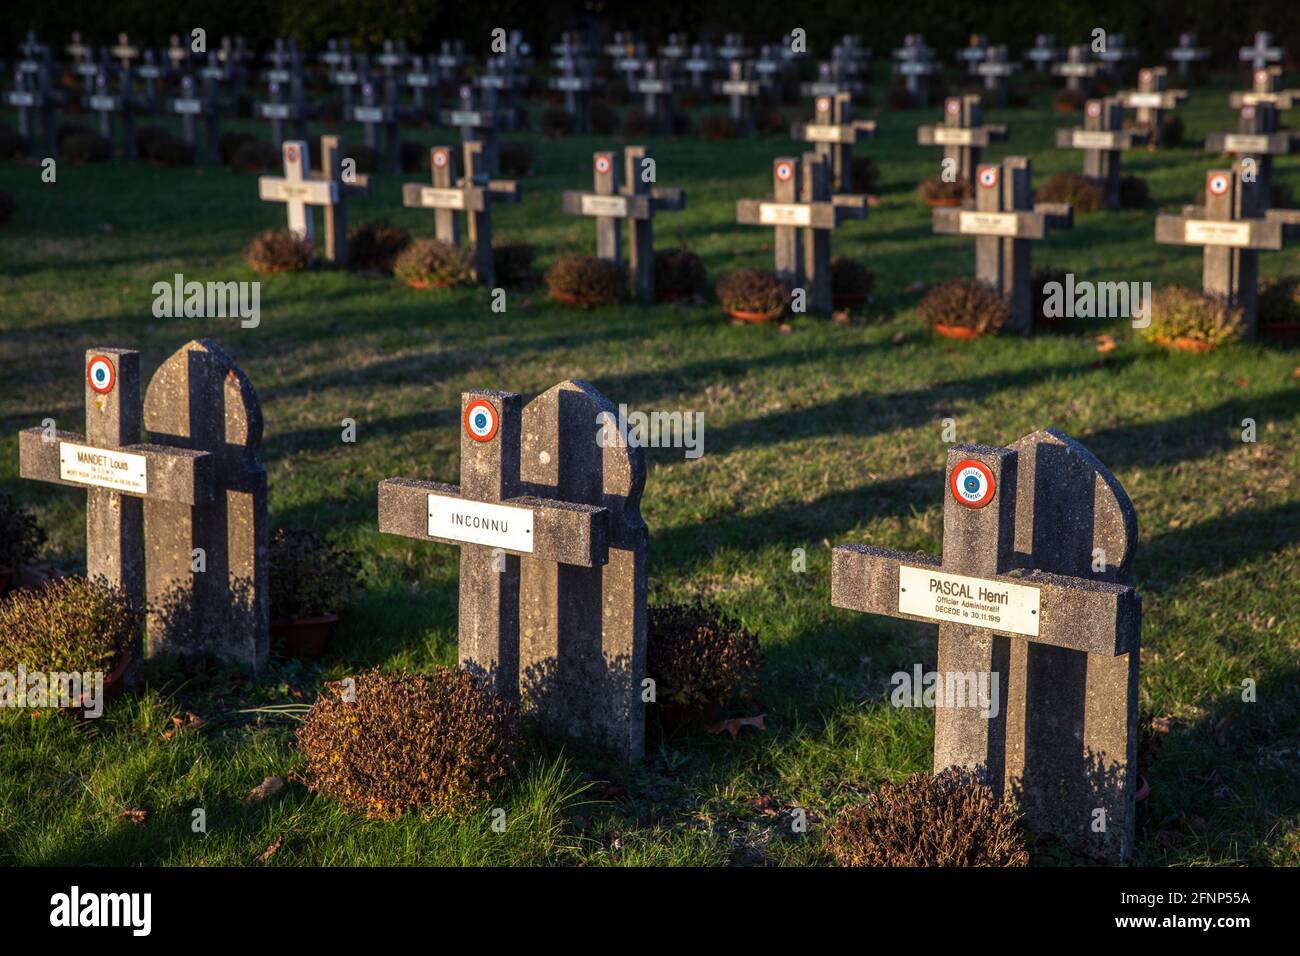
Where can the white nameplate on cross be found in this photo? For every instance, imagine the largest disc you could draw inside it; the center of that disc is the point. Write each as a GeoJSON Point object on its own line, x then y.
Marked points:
{"type": "Point", "coordinates": [947, 136]}
{"type": "Point", "coordinates": [103, 102]}
{"type": "Point", "coordinates": [275, 110]}
{"type": "Point", "coordinates": [368, 114]}
{"type": "Point", "coordinates": [315, 192]}
{"type": "Point", "coordinates": [570, 83]}
{"type": "Point", "coordinates": [736, 87]}
{"type": "Point", "coordinates": [1245, 143]}
{"type": "Point", "coordinates": [19, 98]}
{"type": "Point", "coordinates": [1253, 99]}
{"type": "Point", "coordinates": [817, 133]}
{"type": "Point", "coordinates": [106, 469]}
{"type": "Point", "coordinates": [784, 214]}
{"type": "Point", "coordinates": [1201, 232]}
{"type": "Point", "coordinates": [989, 223]}
{"type": "Point", "coordinates": [464, 118]}
{"type": "Point", "coordinates": [976, 602]}
{"type": "Point", "coordinates": [478, 522]}
{"type": "Point", "coordinates": [434, 198]}
{"type": "Point", "coordinates": [604, 206]}
{"type": "Point", "coordinates": [193, 107]}
{"type": "Point", "coordinates": [1090, 139]}
{"type": "Point", "coordinates": [1145, 100]}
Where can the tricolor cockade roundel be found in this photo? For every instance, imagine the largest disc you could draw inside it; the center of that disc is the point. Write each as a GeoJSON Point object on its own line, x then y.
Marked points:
{"type": "Point", "coordinates": [988, 177]}
{"type": "Point", "coordinates": [1144, 76]}
{"type": "Point", "coordinates": [481, 420]}
{"type": "Point", "coordinates": [784, 170]}
{"type": "Point", "coordinates": [291, 154]}
{"type": "Point", "coordinates": [603, 165]}
{"type": "Point", "coordinates": [823, 104]}
{"type": "Point", "coordinates": [1261, 77]}
{"type": "Point", "coordinates": [100, 374]}
{"type": "Point", "coordinates": [1094, 108]}
{"type": "Point", "coordinates": [1248, 112]}
{"type": "Point", "coordinates": [972, 483]}
{"type": "Point", "coordinates": [440, 158]}
{"type": "Point", "coordinates": [953, 107]}
{"type": "Point", "coordinates": [1218, 183]}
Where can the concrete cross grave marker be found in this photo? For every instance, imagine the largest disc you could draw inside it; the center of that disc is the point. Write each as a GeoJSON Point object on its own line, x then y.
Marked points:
{"type": "Point", "coordinates": [1004, 220]}
{"type": "Point", "coordinates": [803, 212]}
{"type": "Point", "coordinates": [657, 86]}
{"type": "Point", "coordinates": [1151, 99]}
{"type": "Point", "coordinates": [1262, 53]}
{"type": "Point", "coordinates": [1266, 87]}
{"type": "Point", "coordinates": [178, 53]}
{"type": "Point", "coordinates": [32, 97]}
{"type": "Point", "coordinates": [474, 195]}
{"type": "Point", "coordinates": [962, 134]}
{"type": "Point", "coordinates": [733, 47]}
{"type": "Point", "coordinates": [914, 62]}
{"type": "Point", "coordinates": [835, 132]}
{"type": "Point", "coordinates": [1102, 140]}
{"type": "Point", "coordinates": [675, 49]}
{"type": "Point", "coordinates": [351, 183]}
{"type": "Point", "coordinates": [996, 69]}
{"type": "Point", "coordinates": [701, 65]}
{"type": "Point", "coordinates": [83, 62]}
{"type": "Point", "coordinates": [576, 83]}
{"type": "Point", "coordinates": [1257, 140]}
{"type": "Point", "coordinates": [120, 102]}
{"type": "Point", "coordinates": [1078, 68]}
{"type": "Point", "coordinates": [636, 201]}
{"type": "Point", "coordinates": [280, 109]}
{"type": "Point", "coordinates": [629, 61]}
{"type": "Point", "coordinates": [1233, 227]}
{"type": "Point", "coordinates": [973, 52]}
{"type": "Point", "coordinates": [501, 85]}
{"type": "Point", "coordinates": [1188, 56]}
{"type": "Point", "coordinates": [117, 470]}
{"type": "Point", "coordinates": [1020, 605]}
{"type": "Point", "coordinates": [333, 54]}
{"type": "Point", "coordinates": [393, 58]}
{"type": "Point", "coordinates": [831, 79]}
{"type": "Point", "coordinates": [351, 72]}
{"type": "Point", "coordinates": [743, 91]}
{"type": "Point", "coordinates": [422, 81]}
{"type": "Point", "coordinates": [450, 62]}
{"type": "Point", "coordinates": [553, 555]}
{"type": "Point", "coordinates": [773, 71]}
{"type": "Point", "coordinates": [125, 52]}
{"type": "Point", "coordinates": [475, 125]}
{"type": "Point", "coordinates": [376, 110]}
{"type": "Point", "coordinates": [299, 191]}
{"type": "Point", "coordinates": [190, 105]}
{"type": "Point", "coordinates": [1114, 57]}
{"type": "Point", "coordinates": [1043, 53]}
{"type": "Point", "coordinates": [154, 74]}
{"type": "Point", "coordinates": [200, 401]}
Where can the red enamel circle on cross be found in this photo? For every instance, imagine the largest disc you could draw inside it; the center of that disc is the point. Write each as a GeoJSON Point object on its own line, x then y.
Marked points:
{"type": "Point", "coordinates": [988, 177]}
{"type": "Point", "coordinates": [1261, 77]}
{"type": "Point", "coordinates": [100, 374]}
{"type": "Point", "coordinates": [602, 164]}
{"type": "Point", "coordinates": [290, 154]}
{"type": "Point", "coordinates": [1144, 76]}
{"type": "Point", "coordinates": [1094, 108]}
{"type": "Point", "coordinates": [784, 171]}
{"type": "Point", "coordinates": [953, 107]}
{"type": "Point", "coordinates": [823, 104]}
{"type": "Point", "coordinates": [481, 420]}
{"type": "Point", "coordinates": [440, 157]}
{"type": "Point", "coordinates": [971, 483]}
{"type": "Point", "coordinates": [1248, 112]}
{"type": "Point", "coordinates": [1218, 183]}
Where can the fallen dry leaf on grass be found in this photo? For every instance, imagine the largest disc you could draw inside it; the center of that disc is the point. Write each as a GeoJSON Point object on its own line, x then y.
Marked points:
{"type": "Point", "coordinates": [733, 725]}
{"type": "Point", "coordinates": [917, 286]}
{"type": "Point", "coordinates": [265, 790]}
{"type": "Point", "coordinates": [135, 815]}
{"type": "Point", "coordinates": [1162, 725]}
{"type": "Point", "coordinates": [897, 338]}
{"type": "Point", "coordinates": [841, 317]}
{"type": "Point", "coordinates": [270, 850]}
{"type": "Point", "coordinates": [1106, 343]}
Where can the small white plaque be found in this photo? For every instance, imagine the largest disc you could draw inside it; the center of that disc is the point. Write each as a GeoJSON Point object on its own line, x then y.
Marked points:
{"type": "Point", "coordinates": [103, 102]}
{"type": "Point", "coordinates": [604, 206]}
{"type": "Point", "coordinates": [346, 79]}
{"type": "Point", "coordinates": [1203, 232]}
{"type": "Point", "coordinates": [974, 602]}
{"type": "Point", "coordinates": [952, 136]}
{"type": "Point", "coordinates": [989, 223]}
{"type": "Point", "coordinates": [819, 133]}
{"type": "Point", "coordinates": [568, 83]}
{"type": "Point", "coordinates": [313, 192]}
{"type": "Point", "coordinates": [1094, 139]}
{"type": "Point", "coordinates": [1142, 101]}
{"type": "Point", "coordinates": [735, 87]}
{"type": "Point", "coordinates": [103, 468]}
{"type": "Point", "coordinates": [434, 198]}
{"type": "Point", "coordinates": [418, 79]}
{"type": "Point", "coordinates": [784, 214]}
{"type": "Point", "coordinates": [190, 107]}
{"type": "Point", "coordinates": [1245, 143]}
{"type": "Point", "coordinates": [21, 98]}
{"type": "Point", "coordinates": [652, 86]}
{"type": "Point", "coordinates": [278, 111]}
{"type": "Point", "coordinates": [477, 522]}
{"type": "Point", "coordinates": [368, 114]}
{"type": "Point", "coordinates": [1073, 69]}
{"type": "Point", "coordinates": [464, 118]}
{"type": "Point", "coordinates": [913, 68]}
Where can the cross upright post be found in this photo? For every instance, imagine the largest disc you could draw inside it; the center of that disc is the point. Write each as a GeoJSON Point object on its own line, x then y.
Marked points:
{"type": "Point", "coordinates": [835, 132]}
{"type": "Point", "coordinates": [962, 134]}
{"type": "Point", "coordinates": [1103, 140]}
{"type": "Point", "coordinates": [1151, 99]}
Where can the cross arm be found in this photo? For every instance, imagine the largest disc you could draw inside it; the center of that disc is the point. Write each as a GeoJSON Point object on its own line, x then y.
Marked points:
{"type": "Point", "coordinates": [967, 221]}
{"type": "Point", "coordinates": [564, 532]}
{"type": "Point", "coordinates": [616, 205]}
{"type": "Point", "coordinates": [767, 212]}
{"type": "Point", "coordinates": [504, 190]}
{"type": "Point", "coordinates": [1280, 143]}
{"type": "Point", "coordinates": [180, 475]}
{"type": "Point", "coordinates": [849, 206]}
{"type": "Point", "coordinates": [1290, 220]}
{"type": "Point", "coordinates": [1057, 215]}
{"type": "Point", "coordinates": [1193, 229]}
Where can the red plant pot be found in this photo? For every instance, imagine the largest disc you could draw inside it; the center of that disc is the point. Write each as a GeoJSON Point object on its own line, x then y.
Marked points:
{"type": "Point", "coordinates": [304, 637]}
{"type": "Point", "coordinates": [740, 315]}
{"type": "Point", "coordinates": [576, 301]}
{"type": "Point", "coordinates": [957, 332]}
{"type": "Point", "coordinates": [1143, 789]}
{"type": "Point", "coordinates": [945, 202]}
{"type": "Point", "coordinates": [114, 684]}
{"type": "Point", "coordinates": [673, 717]}
{"type": "Point", "coordinates": [1280, 331]}
{"type": "Point", "coordinates": [1183, 344]}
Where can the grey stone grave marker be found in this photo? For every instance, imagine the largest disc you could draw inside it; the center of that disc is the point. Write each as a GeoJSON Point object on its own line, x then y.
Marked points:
{"type": "Point", "coordinates": [996, 70]}
{"type": "Point", "coordinates": [1262, 53]}
{"type": "Point", "coordinates": [835, 132]}
{"type": "Point", "coordinates": [1043, 53]}
{"type": "Point", "coordinates": [1257, 140]}
{"type": "Point", "coordinates": [300, 191]}
{"type": "Point", "coordinates": [1266, 87]}
{"type": "Point", "coordinates": [501, 85]}
{"type": "Point", "coordinates": [422, 82]}
{"type": "Point", "coordinates": [1115, 57]}
{"type": "Point", "coordinates": [700, 66]}
{"type": "Point", "coordinates": [962, 134]}
{"type": "Point", "coordinates": [281, 110]}
{"type": "Point", "coordinates": [576, 83]}
{"type": "Point", "coordinates": [1151, 99]}
{"type": "Point", "coordinates": [973, 52]}
{"type": "Point", "coordinates": [33, 97]}
{"type": "Point", "coordinates": [154, 74]}
{"type": "Point", "coordinates": [1004, 219]}
{"type": "Point", "coordinates": [476, 125]}
{"type": "Point", "coordinates": [113, 97]}
{"type": "Point", "coordinates": [125, 52]}
{"type": "Point", "coordinates": [1018, 597]}
{"type": "Point", "coordinates": [451, 63]}
{"type": "Point", "coordinates": [743, 92]}
{"type": "Point", "coordinates": [1188, 56]}
{"type": "Point", "coordinates": [1078, 68]}
{"type": "Point", "coordinates": [803, 212]}
{"type": "Point", "coordinates": [351, 73]}
{"type": "Point", "coordinates": [553, 555]}
{"type": "Point", "coordinates": [376, 110]}
{"type": "Point", "coordinates": [657, 86]}
{"type": "Point", "coordinates": [1103, 140]}
{"type": "Point", "coordinates": [192, 104]}
{"type": "Point", "coordinates": [914, 61]}
{"type": "Point", "coordinates": [636, 201]}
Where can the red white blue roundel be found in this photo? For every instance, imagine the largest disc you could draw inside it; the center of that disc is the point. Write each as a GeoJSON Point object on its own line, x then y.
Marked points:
{"type": "Point", "coordinates": [603, 165]}
{"type": "Point", "coordinates": [953, 107]}
{"type": "Point", "coordinates": [784, 170]}
{"type": "Point", "coordinates": [988, 177]}
{"type": "Point", "coordinates": [100, 374]}
{"type": "Point", "coordinates": [1218, 183]}
{"type": "Point", "coordinates": [481, 420]}
{"type": "Point", "coordinates": [1144, 76]}
{"type": "Point", "coordinates": [823, 104]}
{"type": "Point", "coordinates": [1248, 112]}
{"type": "Point", "coordinates": [972, 483]}
{"type": "Point", "coordinates": [440, 158]}
{"type": "Point", "coordinates": [1094, 107]}
{"type": "Point", "coordinates": [291, 154]}
{"type": "Point", "coordinates": [1261, 77]}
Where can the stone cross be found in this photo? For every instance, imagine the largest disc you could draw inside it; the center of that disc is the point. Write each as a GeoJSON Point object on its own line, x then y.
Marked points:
{"type": "Point", "coordinates": [1019, 600]}
{"type": "Point", "coordinates": [501, 84]}
{"type": "Point", "coordinates": [221, 73]}
{"type": "Point", "coordinates": [476, 125]}
{"type": "Point", "coordinates": [1043, 53]}
{"type": "Point", "coordinates": [1102, 140]}
{"type": "Point", "coordinates": [1005, 219]}
{"type": "Point", "coordinates": [421, 81]}
{"type": "Point", "coordinates": [1078, 67]}
{"type": "Point", "coordinates": [1188, 56]}
{"type": "Point", "coordinates": [996, 69]}
{"type": "Point", "coordinates": [474, 195]}
{"type": "Point", "coordinates": [376, 110]}
{"type": "Point", "coordinates": [450, 61]}
{"type": "Point", "coordinates": [32, 95]}
{"type": "Point", "coordinates": [1232, 227]}
{"type": "Point", "coordinates": [190, 105]}
{"type": "Point", "coordinates": [334, 53]}
{"type": "Point", "coordinates": [1262, 53]}
{"type": "Point", "coordinates": [299, 190]}
{"type": "Point", "coordinates": [178, 54]}
{"type": "Point", "coordinates": [1151, 99]}
{"type": "Point", "coordinates": [1115, 55]}
{"type": "Point", "coordinates": [154, 74]}
{"type": "Point", "coordinates": [675, 49]}
{"type": "Point", "coordinates": [803, 213]}
{"type": "Point", "coordinates": [701, 65]}
{"type": "Point", "coordinates": [773, 71]}
{"type": "Point", "coordinates": [743, 92]}
{"type": "Point", "coordinates": [835, 132]}
{"type": "Point", "coordinates": [553, 554]}
{"type": "Point", "coordinates": [831, 79]}
{"type": "Point", "coordinates": [393, 58]}
{"type": "Point", "coordinates": [657, 86]}
{"type": "Point", "coordinates": [336, 216]}
{"type": "Point", "coordinates": [121, 103]}
{"type": "Point", "coordinates": [962, 134]}
{"type": "Point", "coordinates": [281, 110]}
{"type": "Point", "coordinates": [206, 570]}
{"type": "Point", "coordinates": [629, 60]}
{"type": "Point", "coordinates": [117, 470]}
{"type": "Point", "coordinates": [1266, 87]}
{"type": "Point", "coordinates": [636, 201]}
{"type": "Point", "coordinates": [125, 52]}
{"type": "Point", "coordinates": [83, 61]}
{"type": "Point", "coordinates": [1257, 140]}
{"type": "Point", "coordinates": [914, 61]}
{"type": "Point", "coordinates": [973, 52]}
{"type": "Point", "coordinates": [351, 72]}
{"type": "Point", "coordinates": [733, 47]}
{"type": "Point", "coordinates": [576, 83]}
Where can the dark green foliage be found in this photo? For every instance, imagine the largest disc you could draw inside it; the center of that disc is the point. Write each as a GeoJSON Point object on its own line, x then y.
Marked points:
{"type": "Point", "coordinates": [697, 654]}
{"type": "Point", "coordinates": [430, 263]}
{"type": "Point", "coordinates": [21, 536]}
{"type": "Point", "coordinates": [374, 246]}
{"type": "Point", "coordinates": [309, 576]}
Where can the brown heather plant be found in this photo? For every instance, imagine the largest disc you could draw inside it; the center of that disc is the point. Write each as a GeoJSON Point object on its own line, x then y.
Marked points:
{"type": "Point", "coordinates": [586, 281]}
{"type": "Point", "coordinates": [158, 145]}
{"type": "Point", "coordinates": [71, 624]}
{"type": "Point", "coordinates": [374, 246]}
{"type": "Point", "coordinates": [309, 576]}
{"type": "Point", "coordinates": [964, 303]}
{"type": "Point", "coordinates": [439, 742]}
{"type": "Point", "coordinates": [697, 654]}
{"type": "Point", "coordinates": [679, 272]}
{"type": "Point", "coordinates": [516, 157]}
{"type": "Point", "coordinates": [431, 263]}
{"type": "Point", "coordinates": [951, 819]}
{"type": "Point", "coordinates": [866, 174]}
{"type": "Point", "coordinates": [850, 278]}
{"type": "Point", "coordinates": [1078, 190]}
{"type": "Point", "coordinates": [81, 145]}
{"type": "Point", "coordinates": [604, 120]}
{"type": "Point", "coordinates": [1279, 302]}
{"type": "Point", "coordinates": [230, 143]}
{"type": "Point", "coordinates": [13, 145]}
{"type": "Point", "coordinates": [1178, 312]}
{"type": "Point", "coordinates": [556, 122]}
{"type": "Point", "coordinates": [637, 125]}
{"type": "Point", "coordinates": [279, 250]}
{"type": "Point", "coordinates": [717, 126]}
{"type": "Point", "coordinates": [1133, 192]}
{"type": "Point", "coordinates": [255, 156]}
{"type": "Point", "coordinates": [935, 189]}
{"type": "Point", "coordinates": [752, 290]}
{"type": "Point", "coordinates": [512, 261]}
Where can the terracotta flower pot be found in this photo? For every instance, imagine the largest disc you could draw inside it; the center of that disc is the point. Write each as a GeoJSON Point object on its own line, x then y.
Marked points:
{"type": "Point", "coordinates": [576, 301]}
{"type": "Point", "coordinates": [1184, 344]}
{"type": "Point", "coordinates": [673, 717]}
{"type": "Point", "coordinates": [1143, 789]}
{"type": "Point", "coordinates": [1280, 331]}
{"type": "Point", "coordinates": [304, 637]}
{"type": "Point", "coordinates": [114, 684]}
{"type": "Point", "coordinates": [946, 202]}
{"type": "Point", "coordinates": [741, 315]}
{"type": "Point", "coordinates": [957, 332]}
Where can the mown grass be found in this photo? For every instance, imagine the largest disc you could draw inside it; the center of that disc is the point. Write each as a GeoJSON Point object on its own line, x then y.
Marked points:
{"type": "Point", "coordinates": [826, 435]}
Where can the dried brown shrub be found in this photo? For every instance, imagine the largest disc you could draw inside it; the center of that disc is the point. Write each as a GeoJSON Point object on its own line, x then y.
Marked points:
{"type": "Point", "coordinates": [697, 654]}
{"type": "Point", "coordinates": [752, 290]}
{"type": "Point", "coordinates": [1073, 188]}
{"type": "Point", "coordinates": [279, 250]}
{"type": "Point", "coordinates": [556, 121]}
{"type": "Point", "coordinates": [850, 278]}
{"type": "Point", "coordinates": [679, 272]}
{"type": "Point", "coordinates": [964, 303]}
{"type": "Point", "coordinates": [440, 742]}
{"type": "Point", "coordinates": [71, 624]}
{"type": "Point", "coordinates": [935, 189]}
{"type": "Point", "coordinates": [586, 281]}
{"type": "Point", "coordinates": [718, 126]}
{"type": "Point", "coordinates": [951, 819]}
{"type": "Point", "coordinates": [516, 157]}
{"type": "Point", "coordinates": [1178, 312]}
{"type": "Point", "coordinates": [431, 263]}
{"type": "Point", "coordinates": [374, 246]}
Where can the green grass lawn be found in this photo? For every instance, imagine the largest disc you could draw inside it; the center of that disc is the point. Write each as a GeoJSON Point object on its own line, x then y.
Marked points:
{"type": "Point", "coordinates": [826, 435]}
